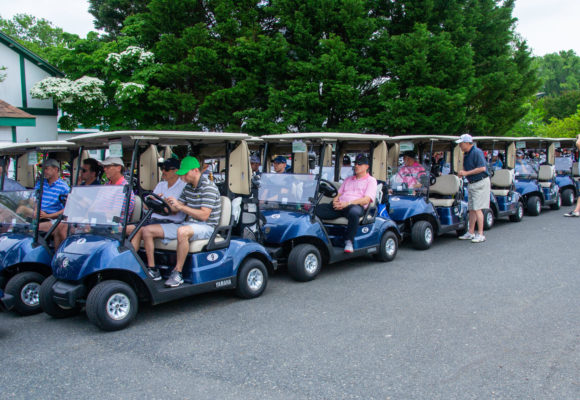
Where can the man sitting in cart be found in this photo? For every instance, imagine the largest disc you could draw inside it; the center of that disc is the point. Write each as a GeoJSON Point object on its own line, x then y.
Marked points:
{"type": "Point", "coordinates": [90, 173]}
{"type": "Point", "coordinates": [355, 194]}
{"type": "Point", "coordinates": [200, 201]}
{"type": "Point", "coordinates": [410, 172]}
{"type": "Point", "coordinates": [51, 206]}
{"type": "Point", "coordinates": [170, 186]}
{"type": "Point", "coordinates": [114, 170]}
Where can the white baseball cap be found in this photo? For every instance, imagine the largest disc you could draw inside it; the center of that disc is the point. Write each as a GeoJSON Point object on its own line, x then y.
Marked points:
{"type": "Point", "coordinates": [465, 138]}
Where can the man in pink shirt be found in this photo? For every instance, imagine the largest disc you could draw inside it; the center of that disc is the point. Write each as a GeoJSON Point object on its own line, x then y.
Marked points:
{"type": "Point", "coordinates": [356, 193]}
{"type": "Point", "coordinates": [411, 171]}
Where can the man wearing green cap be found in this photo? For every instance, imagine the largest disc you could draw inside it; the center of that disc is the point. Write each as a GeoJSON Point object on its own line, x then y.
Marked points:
{"type": "Point", "coordinates": [200, 201]}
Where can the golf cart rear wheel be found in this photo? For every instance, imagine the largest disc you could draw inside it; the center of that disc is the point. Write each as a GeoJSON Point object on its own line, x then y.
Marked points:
{"type": "Point", "coordinates": [389, 247]}
{"type": "Point", "coordinates": [557, 204]}
{"type": "Point", "coordinates": [112, 305]}
{"type": "Point", "coordinates": [304, 262]}
{"type": "Point", "coordinates": [49, 306]}
{"type": "Point", "coordinates": [567, 197]}
{"type": "Point", "coordinates": [488, 219]}
{"type": "Point", "coordinates": [519, 215]}
{"type": "Point", "coordinates": [422, 235]}
{"type": "Point", "coordinates": [25, 287]}
{"type": "Point", "coordinates": [534, 206]}
{"type": "Point", "coordinates": [252, 279]}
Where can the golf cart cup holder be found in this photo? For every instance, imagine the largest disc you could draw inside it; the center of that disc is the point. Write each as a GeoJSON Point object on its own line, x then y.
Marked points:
{"type": "Point", "coordinates": [327, 189]}
{"type": "Point", "coordinates": [157, 204]}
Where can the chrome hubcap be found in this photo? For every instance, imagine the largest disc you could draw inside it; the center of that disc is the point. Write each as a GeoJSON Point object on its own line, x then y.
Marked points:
{"type": "Point", "coordinates": [390, 247]}
{"type": "Point", "coordinates": [29, 293]}
{"type": "Point", "coordinates": [538, 207]}
{"type": "Point", "coordinates": [255, 279]}
{"type": "Point", "coordinates": [311, 263]}
{"type": "Point", "coordinates": [428, 235]}
{"type": "Point", "coordinates": [118, 306]}
{"type": "Point", "coordinates": [489, 219]}
{"type": "Point", "coordinates": [520, 211]}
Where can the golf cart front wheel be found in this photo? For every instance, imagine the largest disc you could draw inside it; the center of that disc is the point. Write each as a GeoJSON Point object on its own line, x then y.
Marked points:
{"type": "Point", "coordinates": [48, 304]}
{"type": "Point", "coordinates": [25, 288]}
{"type": "Point", "coordinates": [557, 204]}
{"type": "Point", "coordinates": [519, 215]}
{"type": "Point", "coordinates": [304, 262]}
{"type": "Point", "coordinates": [389, 247]}
{"type": "Point", "coordinates": [534, 206]}
{"type": "Point", "coordinates": [252, 279]}
{"type": "Point", "coordinates": [422, 235]}
{"type": "Point", "coordinates": [112, 305]}
{"type": "Point", "coordinates": [567, 197]}
{"type": "Point", "coordinates": [488, 219]}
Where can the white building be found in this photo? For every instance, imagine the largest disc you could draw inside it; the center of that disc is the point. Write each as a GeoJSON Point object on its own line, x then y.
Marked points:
{"type": "Point", "coordinates": [23, 70]}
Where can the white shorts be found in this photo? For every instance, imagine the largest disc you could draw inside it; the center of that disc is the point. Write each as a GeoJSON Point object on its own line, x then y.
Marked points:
{"type": "Point", "coordinates": [201, 230]}
{"type": "Point", "coordinates": [479, 193]}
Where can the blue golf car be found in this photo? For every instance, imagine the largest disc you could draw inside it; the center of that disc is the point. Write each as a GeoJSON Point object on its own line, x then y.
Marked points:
{"type": "Point", "coordinates": [422, 204]}
{"type": "Point", "coordinates": [25, 251]}
{"type": "Point", "coordinates": [567, 173]}
{"type": "Point", "coordinates": [535, 179]}
{"type": "Point", "coordinates": [505, 201]}
{"type": "Point", "coordinates": [98, 268]}
{"type": "Point", "coordinates": [290, 229]}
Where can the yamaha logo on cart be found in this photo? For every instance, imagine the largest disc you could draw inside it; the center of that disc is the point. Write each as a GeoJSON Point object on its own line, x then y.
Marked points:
{"type": "Point", "coordinates": [227, 282]}
{"type": "Point", "coordinates": [65, 262]}
{"type": "Point", "coordinates": [81, 241]}
{"type": "Point", "coordinates": [365, 229]}
{"type": "Point", "coordinates": [212, 257]}
{"type": "Point", "coordinates": [275, 216]}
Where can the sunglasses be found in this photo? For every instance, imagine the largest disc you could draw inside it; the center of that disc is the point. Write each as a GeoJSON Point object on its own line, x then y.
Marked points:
{"type": "Point", "coordinates": [84, 170]}
{"type": "Point", "coordinates": [360, 163]}
{"type": "Point", "coordinates": [168, 169]}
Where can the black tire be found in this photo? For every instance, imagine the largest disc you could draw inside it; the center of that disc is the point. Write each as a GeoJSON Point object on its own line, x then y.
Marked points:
{"type": "Point", "coordinates": [252, 279]}
{"type": "Point", "coordinates": [557, 204]}
{"type": "Point", "coordinates": [488, 219]}
{"type": "Point", "coordinates": [389, 246]}
{"type": "Point", "coordinates": [112, 305]}
{"type": "Point", "coordinates": [2, 282]}
{"type": "Point", "coordinates": [25, 288]}
{"type": "Point", "coordinates": [519, 215]}
{"type": "Point", "coordinates": [422, 235]}
{"type": "Point", "coordinates": [49, 306]}
{"type": "Point", "coordinates": [567, 197]}
{"type": "Point", "coordinates": [304, 262]}
{"type": "Point", "coordinates": [534, 206]}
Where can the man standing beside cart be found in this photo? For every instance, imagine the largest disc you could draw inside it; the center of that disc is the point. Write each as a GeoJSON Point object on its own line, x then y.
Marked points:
{"type": "Point", "coordinates": [475, 171]}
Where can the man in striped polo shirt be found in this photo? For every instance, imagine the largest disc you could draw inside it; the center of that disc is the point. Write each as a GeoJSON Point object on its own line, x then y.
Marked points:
{"type": "Point", "coordinates": [51, 206]}
{"type": "Point", "coordinates": [200, 201]}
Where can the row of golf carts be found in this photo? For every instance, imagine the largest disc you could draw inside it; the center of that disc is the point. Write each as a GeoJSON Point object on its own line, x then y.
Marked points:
{"type": "Point", "coordinates": [268, 220]}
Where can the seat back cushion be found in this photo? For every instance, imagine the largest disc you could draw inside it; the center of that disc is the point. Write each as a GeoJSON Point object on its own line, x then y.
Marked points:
{"type": "Point", "coordinates": [226, 213]}
{"type": "Point", "coordinates": [136, 216]}
{"type": "Point", "coordinates": [447, 185]}
{"type": "Point", "coordinates": [502, 178]}
{"type": "Point", "coordinates": [546, 172]}
{"type": "Point", "coordinates": [575, 169]}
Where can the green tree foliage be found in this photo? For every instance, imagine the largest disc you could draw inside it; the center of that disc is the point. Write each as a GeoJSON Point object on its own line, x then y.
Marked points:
{"type": "Point", "coordinates": [110, 15]}
{"type": "Point", "coordinates": [562, 106]}
{"type": "Point", "coordinates": [559, 72]}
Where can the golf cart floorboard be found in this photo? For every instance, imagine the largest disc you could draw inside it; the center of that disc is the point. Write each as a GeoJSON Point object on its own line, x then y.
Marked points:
{"type": "Point", "coordinates": [164, 294]}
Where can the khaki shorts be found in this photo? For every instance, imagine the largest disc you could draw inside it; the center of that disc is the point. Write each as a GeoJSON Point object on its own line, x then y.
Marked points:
{"type": "Point", "coordinates": [479, 193]}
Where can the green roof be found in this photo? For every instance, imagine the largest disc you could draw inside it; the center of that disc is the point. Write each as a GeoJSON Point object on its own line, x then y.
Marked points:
{"type": "Point", "coordinates": [32, 57]}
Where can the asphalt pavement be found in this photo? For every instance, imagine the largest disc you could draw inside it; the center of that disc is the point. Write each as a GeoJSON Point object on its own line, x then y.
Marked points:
{"type": "Point", "coordinates": [497, 320]}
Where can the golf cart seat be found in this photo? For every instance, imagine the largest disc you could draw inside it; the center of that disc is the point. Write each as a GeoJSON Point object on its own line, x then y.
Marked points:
{"type": "Point", "coordinates": [501, 181]}
{"type": "Point", "coordinates": [575, 171]}
{"type": "Point", "coordinates": [136, 216]}
{"type": "Point", "coordinates": [444, 190]}
{"type": "Point", "coordinates": [546, 175]}
{"type": "Point", "coordinates": [368, 216]}
{"type": "Point", "coordinates": [219, 240]}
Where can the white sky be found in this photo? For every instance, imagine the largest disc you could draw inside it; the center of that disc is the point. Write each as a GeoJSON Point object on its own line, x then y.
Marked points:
{"type": "Point", "coordinates": [548, 25]}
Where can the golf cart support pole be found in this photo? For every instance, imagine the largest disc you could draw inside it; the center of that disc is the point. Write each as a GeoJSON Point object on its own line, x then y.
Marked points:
{"type": "Point", "coordinates": [4, 171]}
{"type": "Point", "coordinates": [39, 199]}
{"type": "Point", "coordinates": [129, 190]}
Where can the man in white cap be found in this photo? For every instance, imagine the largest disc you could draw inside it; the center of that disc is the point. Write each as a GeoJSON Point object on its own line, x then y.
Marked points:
{"type": "Point", "coordinates": [475, 171]}
{"type": "Point", "coordinates": [114, 169]}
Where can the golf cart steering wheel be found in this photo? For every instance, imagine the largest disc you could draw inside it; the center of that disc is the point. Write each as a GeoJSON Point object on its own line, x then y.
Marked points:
{"type": "Point", "coordinates": [432, 178]}
{"type": "Point", "coordinates": [327, 188]}
{"type": "Point", "coordinates": [157, 204]}
{"type": "Point", "coordinates": [62, 198]}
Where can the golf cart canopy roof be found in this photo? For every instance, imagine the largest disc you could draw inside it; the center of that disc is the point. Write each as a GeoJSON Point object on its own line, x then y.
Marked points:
{"type": "Point", "coordinates": [15, 149]}
{"type": "Point", "coordinates": [162, 138]}
{"type": "Point", "coordinates": [324, 137]}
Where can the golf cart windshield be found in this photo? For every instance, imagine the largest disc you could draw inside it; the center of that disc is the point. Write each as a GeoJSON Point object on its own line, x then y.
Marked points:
{"type": "Point", "coordinates": [95, 207]}
{"type": "Point", "coordinates": [17, 211]}
{"type": "Point", "coordinates": [525, 169]}
{"type": "Point", "coordinates": [278, 190]}
{"type": "Point", "coordinates": [408, 180]}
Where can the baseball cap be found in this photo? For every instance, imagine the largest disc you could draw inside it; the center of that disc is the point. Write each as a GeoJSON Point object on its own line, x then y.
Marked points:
{"type": "Point", "coordinates": [361, 159]}
{"type": "Point", "coordinates": [255, 159]}
{"type": "Point", "coordinates": [495, 153]}
{"type": "Point", "coordinates": [410, 153]}
{"type": "Point", "coordinates": [187, 164]}
{"type": "Point", "coordinates": [113, 161]}
{"type": "Point", "coordinates": [170, 163]}
{"type": "Point", "coordinates": [346, 160]}
{"type": "Point", "coordinates": [51, 162]}
{"type": "Point", "coordinates": [465, 138]}
{"type": "Point", "coordinates": [519, 153]}
{"type": "Point", "coordinates": [280, 159]}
